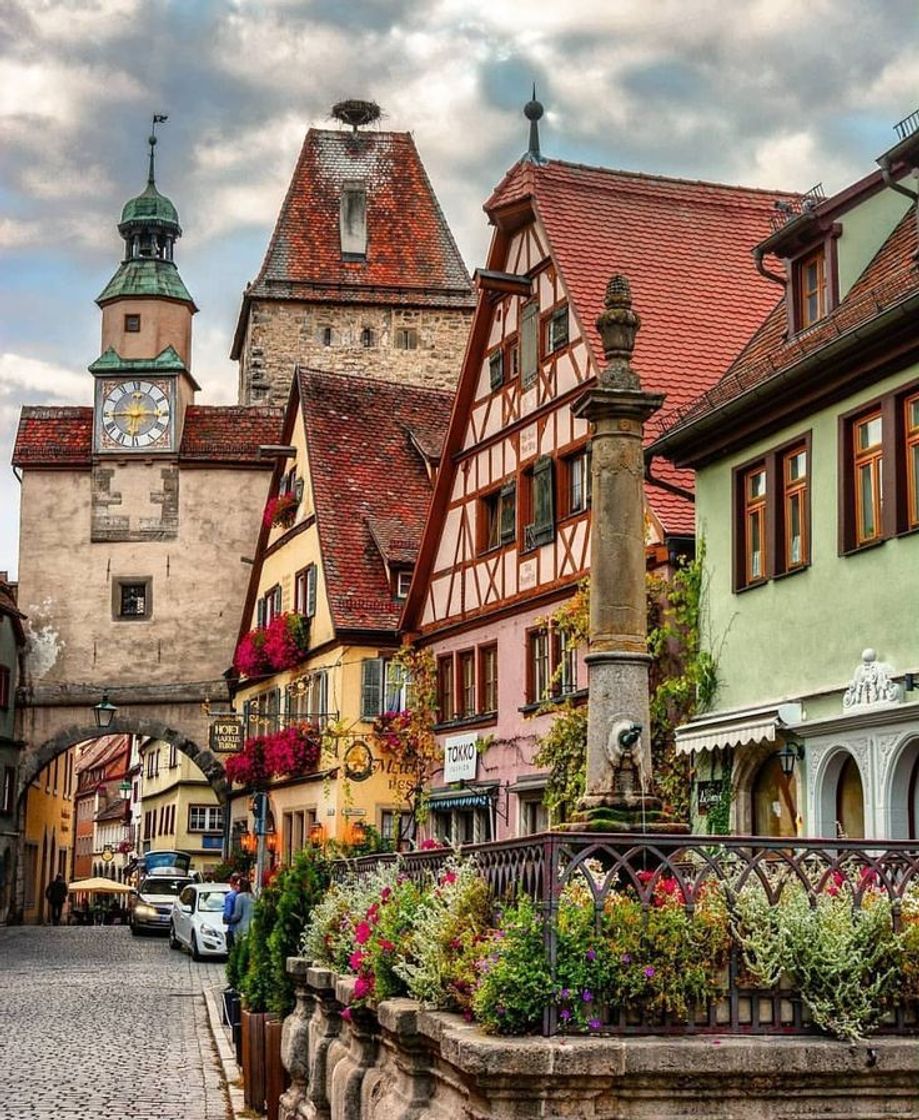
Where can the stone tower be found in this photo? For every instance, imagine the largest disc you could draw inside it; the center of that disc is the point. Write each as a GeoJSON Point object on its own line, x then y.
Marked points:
{"type": "Point", "coordinates": [361, 274]}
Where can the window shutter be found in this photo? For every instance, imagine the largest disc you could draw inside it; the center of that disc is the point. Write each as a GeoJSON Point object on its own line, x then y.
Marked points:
{"type": "Point", "coordinates": [529, 349]}
{"type": "Point", "coordinates": [260, 613]}
{"type": "Point", "coordinates": [543, 497]}
{"type": "Point", "coordinates": [508, 512]}
{"type": "Point", "coordinates": [311, 591]}
{"type": "Point", "coordinates": [322, 708]}
{"type": "Point", "coordinates": [371, 687]}
{"type": "Point", "coordinates": [496, 370]}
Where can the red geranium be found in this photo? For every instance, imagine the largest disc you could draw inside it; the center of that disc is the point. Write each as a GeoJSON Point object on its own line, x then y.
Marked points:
{"type": "Point", "coordinates": [286, 640]}
{"type": "Point", "coordinates": [249, 767]}
{"type": "Point", "coordinates": [251, 659]}
{"type": "Point", "coordinates": [293, 751]}
{"type": "Point", "coordinates": [281, 510]}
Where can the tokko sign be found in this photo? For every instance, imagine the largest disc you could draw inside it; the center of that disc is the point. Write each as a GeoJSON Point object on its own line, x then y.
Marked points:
{"type": "Point", "coordinates": [460, 758]}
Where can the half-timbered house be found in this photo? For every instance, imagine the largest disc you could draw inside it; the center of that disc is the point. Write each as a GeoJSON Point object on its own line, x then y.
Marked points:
{"type": "Point", "coordinates": [509, 532]}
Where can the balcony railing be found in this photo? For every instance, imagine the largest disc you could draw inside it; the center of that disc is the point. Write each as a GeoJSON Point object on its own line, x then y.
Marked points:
{"type": "Point", "coordinates": [547, 865]}
{"type": "Point", "coordinates": [267, 723]}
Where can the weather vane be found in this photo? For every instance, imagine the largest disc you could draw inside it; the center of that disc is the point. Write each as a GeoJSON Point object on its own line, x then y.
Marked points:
{"type": "Point", "coordinates": [158, 118]}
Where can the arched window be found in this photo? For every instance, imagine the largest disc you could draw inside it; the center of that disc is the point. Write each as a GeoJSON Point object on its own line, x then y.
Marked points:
{"type": "Point", "coordinates": [850, 801]}
{"type": "Point", "coordinates": [775, 809]}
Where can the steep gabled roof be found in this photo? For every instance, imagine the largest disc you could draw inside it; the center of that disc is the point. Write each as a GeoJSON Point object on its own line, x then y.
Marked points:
{"type": "Point", "coordinates": [369, 481]}
{"type": "Point", "coordinates": [411, 256]}
{"type": "Point", "coordinates": [771, 357]}
{"type": "Point", "coordinates": [221, 435]}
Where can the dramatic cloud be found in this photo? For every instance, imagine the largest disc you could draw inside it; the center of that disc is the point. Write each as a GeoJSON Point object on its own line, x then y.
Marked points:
{"type": "Point", "coordinates": [772, 93]}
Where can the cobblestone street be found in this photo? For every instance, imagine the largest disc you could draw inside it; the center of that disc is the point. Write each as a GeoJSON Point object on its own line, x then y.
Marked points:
{"type": "Point", "coordinates": [95, 1024]}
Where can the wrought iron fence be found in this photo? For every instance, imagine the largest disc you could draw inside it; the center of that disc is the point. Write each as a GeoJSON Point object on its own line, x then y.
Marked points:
{"type": "Point", "coordinates": [544, 866]}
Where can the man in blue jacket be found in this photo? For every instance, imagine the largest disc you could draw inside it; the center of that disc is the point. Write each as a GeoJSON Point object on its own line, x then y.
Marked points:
{"type": "Point", "coordinates": [228, 903]}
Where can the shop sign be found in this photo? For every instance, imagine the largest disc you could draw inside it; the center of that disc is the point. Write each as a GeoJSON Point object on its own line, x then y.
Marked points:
{"type": "Point", "coordinates": [460, 758]}
{"type": "Point", "coordinates": [708, 795]}
{"type": "Point", "coordinates": [227, 734]}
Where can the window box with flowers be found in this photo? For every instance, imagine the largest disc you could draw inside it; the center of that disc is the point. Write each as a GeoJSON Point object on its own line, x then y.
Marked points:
{"type": "Point", "coordinates": [281, 511]}
{"type": "Point", "coordinates": [292, 753]}
{"type": "Point", "coordinates": [282, 644]}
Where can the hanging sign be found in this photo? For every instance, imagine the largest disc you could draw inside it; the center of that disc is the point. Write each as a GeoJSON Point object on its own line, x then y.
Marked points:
{"type": "Point", "coordinates": [227, 734]}
{"type": "Point", "coordinates": [709, 795]}
{"type": "Point", "coordinates": [460, 758]}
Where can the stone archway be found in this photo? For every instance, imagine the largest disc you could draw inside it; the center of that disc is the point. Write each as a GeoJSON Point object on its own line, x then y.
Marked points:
{"type": "Point", "coordinates": [838, 765]}
{"type": "Point", "coordinates": [35, 760]}
{"type": "Point", "coordinates": [902, 790]}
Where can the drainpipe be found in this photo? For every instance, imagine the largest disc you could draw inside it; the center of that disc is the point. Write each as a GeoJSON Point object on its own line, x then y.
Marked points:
{"type": "Point", "coordinates": [758, 255]}
{"type": "Point", "coordinates": [891, 182]}
{"type": "Point", "coordinates": [670, 487]}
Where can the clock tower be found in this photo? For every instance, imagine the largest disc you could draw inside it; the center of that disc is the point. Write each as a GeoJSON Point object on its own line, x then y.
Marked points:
{"type": "Point", "coordinates": [143, 379]}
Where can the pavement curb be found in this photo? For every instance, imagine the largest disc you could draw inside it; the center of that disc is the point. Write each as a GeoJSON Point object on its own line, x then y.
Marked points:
{"type": "Point", "coordinates": [213, 999]}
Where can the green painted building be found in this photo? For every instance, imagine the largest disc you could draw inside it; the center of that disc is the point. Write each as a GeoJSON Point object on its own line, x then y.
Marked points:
{"type": "Point", "coordinates": [807, 500]}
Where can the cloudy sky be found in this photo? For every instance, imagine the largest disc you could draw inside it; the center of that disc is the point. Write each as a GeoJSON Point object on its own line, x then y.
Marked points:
{"type": "Point", "coordinates": [772, 93]}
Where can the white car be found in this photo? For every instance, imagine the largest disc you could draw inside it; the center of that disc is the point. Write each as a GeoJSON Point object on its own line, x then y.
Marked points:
{"type": "Point", "coordinates": [196, 922]}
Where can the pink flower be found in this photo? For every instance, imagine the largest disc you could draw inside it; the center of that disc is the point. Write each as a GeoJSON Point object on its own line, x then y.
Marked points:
{"type": "Point", "coordinates": [362, 987]}
{"type": "Point", "coordinates": [387, 946]}
{"type": "Point", "coordinates": [449, 877]}
{"type": "Point", "coordinates": [356, 960]}
{"type": "Point", "coordinates": [346, 1014]}
{"type": "Point", "coordinates": [427, 845]}
{"type": "Point", "coordinates": [362, 933]}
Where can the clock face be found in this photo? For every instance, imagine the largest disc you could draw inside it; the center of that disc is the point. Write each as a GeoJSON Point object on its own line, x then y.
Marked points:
{"type": "Point", "coordinates": [135, 414]}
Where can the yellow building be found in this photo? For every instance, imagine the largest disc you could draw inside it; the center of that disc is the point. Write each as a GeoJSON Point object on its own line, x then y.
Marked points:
{"type": "Point", "coordinates": [178, 810]}
{"type": "Point", "coordinates": [48, 835]}
{"type": "Point", "coordinates": [332, 570]}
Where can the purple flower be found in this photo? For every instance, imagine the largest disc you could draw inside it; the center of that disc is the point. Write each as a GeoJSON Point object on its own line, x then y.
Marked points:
{"type": "Point", "coordinates": [564, 994]}
{"type": "Point", "coordinates": [587, 995]}
{"type": "Point", "coordinates": [649, 971]}
{"type": "Point", "coordinates": [626, 958]}
{"type": "Point", "coordinates": [591, 954]}
{"type": "Point", "coordinates": [499, 1010]}
{"type": "Point", "coordinates": [565, 1015]}
{"type": "Point", "coordinates": [594, 1024]}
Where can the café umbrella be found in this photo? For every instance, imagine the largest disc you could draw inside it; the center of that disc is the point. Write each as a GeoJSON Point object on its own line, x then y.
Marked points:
{"type": "Point", "coordinates": [99, 884]}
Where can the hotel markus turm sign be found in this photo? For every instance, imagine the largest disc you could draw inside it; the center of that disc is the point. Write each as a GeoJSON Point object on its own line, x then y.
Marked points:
{"type": "Point", "coordinates": [227, 734]}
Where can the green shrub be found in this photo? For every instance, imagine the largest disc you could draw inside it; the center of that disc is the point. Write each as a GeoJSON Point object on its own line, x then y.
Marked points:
{"type": "Point", "coordinates": [298, 889]}
{"type": "Point", "coordinates": [515, 982]}
{"type": "Point", "coordinates": [256, 983]}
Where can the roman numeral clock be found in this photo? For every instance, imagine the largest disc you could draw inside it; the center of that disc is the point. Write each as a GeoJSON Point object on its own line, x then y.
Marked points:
{"type": "Point", "coordinates": [135, 414]}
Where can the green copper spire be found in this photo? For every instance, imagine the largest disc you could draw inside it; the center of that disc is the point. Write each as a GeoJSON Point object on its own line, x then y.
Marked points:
{"type": "Point", "coordinates": [150, 227]}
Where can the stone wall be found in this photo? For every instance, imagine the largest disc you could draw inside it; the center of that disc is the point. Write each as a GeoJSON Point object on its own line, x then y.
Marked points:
{"type": "Point", "coordinates": [403, 1062]}
{"type": "Point", "coordinates": [281, 334]}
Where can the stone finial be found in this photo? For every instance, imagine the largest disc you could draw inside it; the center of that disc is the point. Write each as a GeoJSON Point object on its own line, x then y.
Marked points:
{"type": "Point", "coordinates": [618, 325]}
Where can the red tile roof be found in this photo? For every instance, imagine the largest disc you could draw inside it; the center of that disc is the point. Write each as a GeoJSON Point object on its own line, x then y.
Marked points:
{"type": "Point", "coordinates": [889, 277]}
{"type": "Point", "coordinates": [229, 433]}
{"type": "Point", "coordinates": [368, 481]}
{"type": "Point", "coordinates": [410, 249]}
{"type": "Point", "coordinates": [224, 435]}
{"type": "Point", "coordinates": [685, 247]}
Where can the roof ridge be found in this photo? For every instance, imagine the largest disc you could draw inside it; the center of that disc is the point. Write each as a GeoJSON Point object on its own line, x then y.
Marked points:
{"type": "Point", "coordinates": [367, 380]}
{"type": "Point", "coordinates": [658, 177]}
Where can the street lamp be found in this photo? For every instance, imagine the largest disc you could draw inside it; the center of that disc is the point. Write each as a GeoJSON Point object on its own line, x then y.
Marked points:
{"type": "Point", "coordinates": [104, 712]}
{"type": "Point", "coordinates": [793, 752]}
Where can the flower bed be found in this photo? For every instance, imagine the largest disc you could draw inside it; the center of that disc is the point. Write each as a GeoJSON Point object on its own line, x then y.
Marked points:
{"type": "Point", "coordinates": [632, 949]}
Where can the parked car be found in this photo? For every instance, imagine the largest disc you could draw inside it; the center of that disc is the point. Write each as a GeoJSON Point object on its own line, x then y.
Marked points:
{"type": "Point", "coordinates": [196, 922]}
{"type": "Point", "coordinates": [155, 895]}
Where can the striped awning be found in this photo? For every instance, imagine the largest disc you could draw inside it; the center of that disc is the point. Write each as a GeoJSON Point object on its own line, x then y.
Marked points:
{"type": "Point", "coordinates": [736, 729]}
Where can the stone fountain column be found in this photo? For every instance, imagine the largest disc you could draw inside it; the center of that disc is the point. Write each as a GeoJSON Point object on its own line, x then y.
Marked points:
{"type": "Point", "coordinates": [617, 794]}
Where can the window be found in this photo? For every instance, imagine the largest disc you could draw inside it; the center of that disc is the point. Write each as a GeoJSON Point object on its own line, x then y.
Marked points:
{"type": "Point", "coordinates": [911, 443]}
{"type": "Point", "coordinates": [269, 606]}
{"type": "Point", "coordinates": [384, 687]}
{"type": "Point", "coordinates": [325, 336]}
{"type": "Point", "coordinates": [488, 678]}
{"type": "Point", "coordinates": [367, 338]}
{"type": "Point", "coordinates": [772, 522]}
{"type": "Point", "coordinates": [305, 591]}
{"type": "Point", "coordinates": [131, 598]}
{"type": "Point", "coordinates": [205, 818]}
{"type": "Point", "coordinates": [541, 505]}
{"type": "Point", "coordinates": [496, 370]}
{"type": "Point", "coordinates": [556, 330]}
{"type": "Point", "coordinates": [534, 817]}
{"type": "Point", "coordinates": [810, 285]}
{"type": "Point", "coordinates": [5, 678]}
{"type": "Point", "coordinates": [353, 220]}
{"type": "Point", "coordinates": [565, 663]}
{"type": "Point", "coordinates": [8, 794]}
{"type": "Point", "coordinates": [466, 683]}
{"type": "Point", "coordinates": [512, 362]}
{"type": "Point", "coordinates": [498, 517]}
{"type": "Point", "coordinates": [879, 470]}
{"type": "Point", "coordinates": [868, 465]}
{"type": "Point", "coordinates": [131, 324]}
{"type": "Point", "coordinates": [403, 583]}
{"type": "Point", "coordinates": [173, 756]}
{"type": "Point", "coordinates": [537, 666]}
{"type": "Point", "coordinates": [406, 338]}
{"type": "Point", "coordinates": [577, 481]}
{"type": "Point", "coordinates": [529, 349]}
{"type": "Point", "coordinates": [446, 709]}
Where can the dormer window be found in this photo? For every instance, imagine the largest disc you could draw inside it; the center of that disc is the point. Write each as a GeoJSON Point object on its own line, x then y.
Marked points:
{"type": "Point", "coordinates": [401, 583]}
{"type": "Point", "coordinates": [354, 221]}
{"type": "Point", "coordinates": [132, 324]}
{"type": "Point", "coordinates": [810, 285]}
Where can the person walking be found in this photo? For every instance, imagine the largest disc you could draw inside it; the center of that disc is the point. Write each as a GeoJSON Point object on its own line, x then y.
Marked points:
{"type": "Point", "coordinates": [242, 910]}
{"type": "Point", "coordinates": [228, 903]}
{"type": "Point", "coordinates": [56, 894]}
